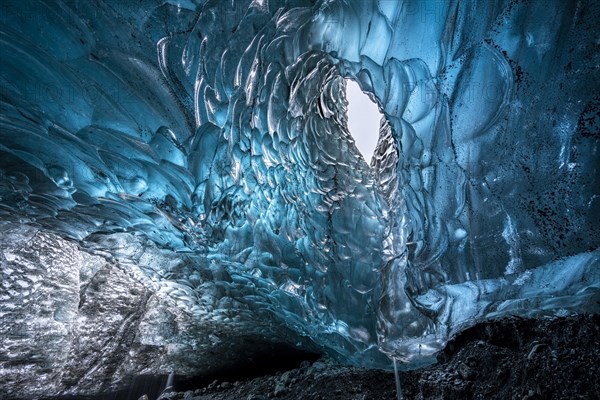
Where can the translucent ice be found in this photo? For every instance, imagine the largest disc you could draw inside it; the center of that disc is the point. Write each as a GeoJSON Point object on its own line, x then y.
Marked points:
{"type": "Point", "coordinates": [205, 146]}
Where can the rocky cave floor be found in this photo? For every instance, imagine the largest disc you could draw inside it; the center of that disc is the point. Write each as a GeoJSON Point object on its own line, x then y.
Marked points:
{"type": "Point", "coordinates": [509, 358]}
{"type": "Point", "coordinates": [548, 358]}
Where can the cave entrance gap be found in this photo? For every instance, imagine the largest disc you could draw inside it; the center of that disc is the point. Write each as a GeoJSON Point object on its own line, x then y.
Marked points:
{"type": "Point", "coordinates": [363, 120]}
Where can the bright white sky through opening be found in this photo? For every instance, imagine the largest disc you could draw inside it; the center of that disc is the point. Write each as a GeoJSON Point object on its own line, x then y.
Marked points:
{"type": "Point", "coordinates": [363, 120]}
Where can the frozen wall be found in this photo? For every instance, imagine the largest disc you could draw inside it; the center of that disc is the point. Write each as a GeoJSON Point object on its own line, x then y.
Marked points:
{"type": "Point", "coordinates": [213, 135]}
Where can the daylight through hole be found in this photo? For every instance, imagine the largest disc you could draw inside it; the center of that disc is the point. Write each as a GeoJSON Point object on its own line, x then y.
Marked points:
{"type": "Point", "coordinates": [363, 119]}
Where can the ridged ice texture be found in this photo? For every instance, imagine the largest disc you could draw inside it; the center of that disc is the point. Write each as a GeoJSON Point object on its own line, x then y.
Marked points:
{"type": "Point", "coordinates": [217, 131]}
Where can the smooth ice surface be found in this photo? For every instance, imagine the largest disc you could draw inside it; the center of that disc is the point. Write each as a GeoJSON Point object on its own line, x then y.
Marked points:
{"type": "Point", "coordinates": [203, 148]}
{"type": "Point", "coordinates": [363, 120]}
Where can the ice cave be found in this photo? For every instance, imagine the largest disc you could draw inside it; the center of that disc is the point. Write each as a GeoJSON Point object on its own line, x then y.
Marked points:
{"type": "Point", "coordinates": [181, 195]}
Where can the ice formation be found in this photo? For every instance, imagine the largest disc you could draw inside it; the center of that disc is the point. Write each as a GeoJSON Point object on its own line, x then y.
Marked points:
{"type": "Point", "coordinates": [202, 148]}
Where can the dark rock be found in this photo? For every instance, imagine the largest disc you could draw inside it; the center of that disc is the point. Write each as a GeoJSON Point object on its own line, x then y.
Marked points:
{"type": "Point", "coordinates": [466, 372]}
{"type": "Point", "coordinates": [280, 390]}
{"type": "Point", "coordinates": [471, 361]}
{"type": "Point", "coordinates": [319, 366]}
{"type": "Point", "coordinates": [255, 397]}
{"type": "Point", "coordinates": [213, 385]}
{"type": "Point", "coordinates": [536, 347]}
{"type": "Point", "coordinates": [475, 369]}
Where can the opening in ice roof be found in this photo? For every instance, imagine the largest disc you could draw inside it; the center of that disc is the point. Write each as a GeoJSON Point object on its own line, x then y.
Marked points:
{"type": "Point", "coordinates": [363, 120]}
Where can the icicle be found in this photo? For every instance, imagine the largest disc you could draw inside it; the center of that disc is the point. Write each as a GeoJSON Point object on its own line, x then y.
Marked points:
{"type": "Point", "coordinates": [169, 386]}
{"type": "Point", "coordinates": [397, 377]}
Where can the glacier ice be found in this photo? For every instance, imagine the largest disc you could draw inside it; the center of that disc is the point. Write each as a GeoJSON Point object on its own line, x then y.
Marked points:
{"type": "Point", "coordinates": [203, 148]}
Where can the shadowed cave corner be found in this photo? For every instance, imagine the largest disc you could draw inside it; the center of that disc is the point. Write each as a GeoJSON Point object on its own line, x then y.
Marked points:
{"type": "Point", "coordinates": [272, 359]}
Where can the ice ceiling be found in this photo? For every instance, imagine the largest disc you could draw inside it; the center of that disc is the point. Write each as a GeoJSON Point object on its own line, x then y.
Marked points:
{"type": "Point", "coordinates": [203, 148]}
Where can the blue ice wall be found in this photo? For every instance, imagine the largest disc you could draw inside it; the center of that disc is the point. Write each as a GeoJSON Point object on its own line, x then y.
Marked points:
{"type": "Point", "coordinates": [215, 133]}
